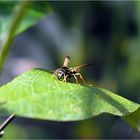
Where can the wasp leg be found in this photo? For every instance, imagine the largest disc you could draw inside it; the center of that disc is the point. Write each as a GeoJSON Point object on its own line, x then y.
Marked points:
{"type": "Point", "coordinates": [81, 77]}
{"type": "Point", "coordinates": [55, 73]}
{"type": "Point", "coordinates": [65, 78]}
{"type": "Point", "coordinates": [75, 78]}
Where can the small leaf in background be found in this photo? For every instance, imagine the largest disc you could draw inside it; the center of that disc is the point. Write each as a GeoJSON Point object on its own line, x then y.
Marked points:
{"type": "Point", "coordinates": [36, 94]}
{"type": "Point", "coordinates": [34, 12]}
{"type": "Point", "coordinates": [15, 20]}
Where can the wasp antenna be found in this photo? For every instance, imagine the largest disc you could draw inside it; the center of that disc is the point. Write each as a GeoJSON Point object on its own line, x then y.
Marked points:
{"type": "Point", "coordinates": [66, 61]}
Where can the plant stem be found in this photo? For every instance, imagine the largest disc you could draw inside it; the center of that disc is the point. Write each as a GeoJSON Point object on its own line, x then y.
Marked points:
{"type": "Point", "coordinates": [11, 34]}
{"type": "Point", "coordinates": [6, 122]}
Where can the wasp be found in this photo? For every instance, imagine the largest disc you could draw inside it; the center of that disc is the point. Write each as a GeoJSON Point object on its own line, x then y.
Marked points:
{"type": "Point", "coordinates": [65, 72]}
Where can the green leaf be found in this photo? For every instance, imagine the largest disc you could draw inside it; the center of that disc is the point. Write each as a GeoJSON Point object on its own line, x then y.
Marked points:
{"type": "Point", "coordinates": [134, 119]}
{"type": "Point", "coordinates": [23, 16]}
{"type": "Point", "coordinates": [34, 12]}
{"type": "Point", "coordinates": [37, 94]}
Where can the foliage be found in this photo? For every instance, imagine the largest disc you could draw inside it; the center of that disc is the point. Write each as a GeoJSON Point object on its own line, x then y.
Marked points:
{"type": "Point", "coordinates": [10, 29]}
{"type": "Point", "coordinates": [134, 122]}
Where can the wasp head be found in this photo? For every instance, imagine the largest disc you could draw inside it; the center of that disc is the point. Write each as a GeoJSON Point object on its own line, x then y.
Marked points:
{"type": "Point", "coordinates": [61, 74]}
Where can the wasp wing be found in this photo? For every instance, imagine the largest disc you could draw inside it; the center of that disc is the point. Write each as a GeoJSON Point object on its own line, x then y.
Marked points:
{"type": "Point", "coordinates": [53, 71]}
{"type": "Point", "coordinates": [78, 68]}
{"type": "Point", "coordinates": [66, 61]}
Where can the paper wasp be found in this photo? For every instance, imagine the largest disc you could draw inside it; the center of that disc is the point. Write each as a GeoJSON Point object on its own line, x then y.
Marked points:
{"type": "Point", "coordinates": [65, 72]}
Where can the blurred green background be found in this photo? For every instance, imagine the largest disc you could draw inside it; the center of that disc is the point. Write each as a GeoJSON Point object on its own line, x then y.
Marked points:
{"type": "Point", "coordinates": [106, 34]}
